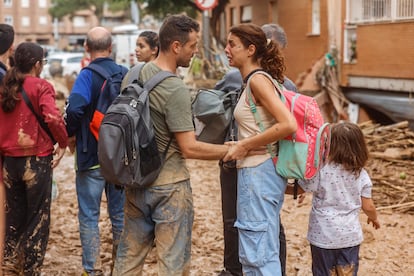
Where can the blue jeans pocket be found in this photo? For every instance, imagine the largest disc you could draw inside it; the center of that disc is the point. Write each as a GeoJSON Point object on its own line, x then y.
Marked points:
{"type": "Point", "coordinates": [253, 242]}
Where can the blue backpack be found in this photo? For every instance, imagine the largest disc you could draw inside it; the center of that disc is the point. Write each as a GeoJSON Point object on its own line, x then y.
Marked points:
{"type": "Point", "coordinates": [110, 89]}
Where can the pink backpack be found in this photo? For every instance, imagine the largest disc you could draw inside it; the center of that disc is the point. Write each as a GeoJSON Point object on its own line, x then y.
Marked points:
{"type": "Point", "coordinates": [301, 155]}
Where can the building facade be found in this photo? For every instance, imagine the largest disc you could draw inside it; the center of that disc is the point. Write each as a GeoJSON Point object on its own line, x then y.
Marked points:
{"type": "Point", "coordinates": [32, 22]}
{"type": "Point", "coordinates": [373, 39]}
{"type": "Point", "coordinates": [30, 19]}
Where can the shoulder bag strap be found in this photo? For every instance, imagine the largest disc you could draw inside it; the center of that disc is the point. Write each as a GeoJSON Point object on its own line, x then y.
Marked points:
{"type": "Point", "coordinates": [38, 117]}
{"type": "Point", "coordinates": [253, 109]}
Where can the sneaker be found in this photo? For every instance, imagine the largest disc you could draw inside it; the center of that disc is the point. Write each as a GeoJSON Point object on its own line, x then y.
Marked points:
{"type": "Point", "coordinates": [94, 273]}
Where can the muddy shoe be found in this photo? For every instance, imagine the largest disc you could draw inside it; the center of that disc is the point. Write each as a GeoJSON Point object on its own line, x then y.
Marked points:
{"type": "Point", "coordinates": [94, 273]}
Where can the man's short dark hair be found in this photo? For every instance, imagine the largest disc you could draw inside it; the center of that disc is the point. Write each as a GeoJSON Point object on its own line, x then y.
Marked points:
{"type": "Point", "coordinates": [6, 37]}
{"type": "Point", "coordinates": [176, 28]}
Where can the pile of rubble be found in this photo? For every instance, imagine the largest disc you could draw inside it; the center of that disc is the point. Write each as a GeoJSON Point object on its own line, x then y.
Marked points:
{"type": "Point", "coordinates": [391, 165]}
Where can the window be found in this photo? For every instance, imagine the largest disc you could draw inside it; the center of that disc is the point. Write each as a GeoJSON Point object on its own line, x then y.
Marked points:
{"type": "Point", "coordinates": [233, 17]}
{"type": "Point", "coordinates": [43, 20]}
{"type": "Point", "coordinates": [246, 14]}
{"type": "Point", "coordinates": [7, 3]}
{"type": "Point", "coordinates": [316, 17]}
{"type": "Point", "coordinates": [25, 3]}
{"type": "Point", "coordinates": [350, 41]}
{"type": "Point", "coordinates": [8, 19]}
{"type": "Point", "coordinates": [78, 21]}
{"type": "Point", "coordinates": [367, 11]}
{"type": "Point", "coordinates": [25, 21]}
{"type": "Point", "coordinates": [405, 9]}
{"type": "Point", "coordinates": [42, 4]}
{"type": "Point", "coordinates": [376, 9]}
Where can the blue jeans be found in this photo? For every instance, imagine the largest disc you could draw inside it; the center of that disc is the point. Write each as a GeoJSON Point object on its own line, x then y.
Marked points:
{"type": "Point", "coordinates": [89, 188]}
{"type": "Point", "coordinates": [164, 215]}
{"type": "Point", "coordinates": [260, 195]}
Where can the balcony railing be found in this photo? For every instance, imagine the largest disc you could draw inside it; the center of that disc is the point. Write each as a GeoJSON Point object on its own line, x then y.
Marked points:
{"type": "Point", "coordinates": [368, 11]}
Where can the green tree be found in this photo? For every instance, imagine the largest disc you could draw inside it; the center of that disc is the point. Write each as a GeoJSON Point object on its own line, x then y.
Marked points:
{"type": "Point", "coordinates": [161, 8]}
{"type": "Point", "coordinates": [157, 8]}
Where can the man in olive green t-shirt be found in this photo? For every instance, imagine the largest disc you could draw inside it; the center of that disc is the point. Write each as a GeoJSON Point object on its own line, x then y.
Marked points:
{"type": "Point", "coordinates": [163, 213]}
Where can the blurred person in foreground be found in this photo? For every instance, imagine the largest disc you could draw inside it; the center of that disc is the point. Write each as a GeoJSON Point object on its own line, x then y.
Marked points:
{"type": "Point", "coordinates": [6, 51]}
{"type": "Point", "coordinates": [28, 160]}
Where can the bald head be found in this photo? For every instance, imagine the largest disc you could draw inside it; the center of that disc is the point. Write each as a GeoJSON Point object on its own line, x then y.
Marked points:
{"type": "Point", "coordinates": [275, 32]}
{"type": "Point", "coordinates": [98, 39]}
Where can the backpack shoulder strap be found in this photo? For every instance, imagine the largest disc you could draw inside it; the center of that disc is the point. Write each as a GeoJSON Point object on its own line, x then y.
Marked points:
{"type": "Point", "coordinates": [133, 74]}
{"type": "Point", "coordinates": [99, 70]}
{"type": "Point", "coordinates": [156, 79]}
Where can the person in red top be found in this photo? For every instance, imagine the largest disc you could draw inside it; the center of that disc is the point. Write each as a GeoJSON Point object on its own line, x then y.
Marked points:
{"type": "Point", "coordinates": [28, 160]}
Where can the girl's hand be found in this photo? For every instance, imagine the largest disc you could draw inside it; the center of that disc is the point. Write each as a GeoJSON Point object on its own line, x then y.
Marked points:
{"type": "Point", "coordinates": [59, 152]}
{"type": "Point", "coordinates": [375, 223]}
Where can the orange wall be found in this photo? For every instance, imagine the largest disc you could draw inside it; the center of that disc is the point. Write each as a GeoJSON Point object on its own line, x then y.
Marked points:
{"type": "Point", "coordinates": [303, 49]}
{"type": "Point", "coordinates": [383, 50]}
{"type": "Point", "coordinates": [295, 17]}
{"type": "Point", "coordinates": [260, 11]}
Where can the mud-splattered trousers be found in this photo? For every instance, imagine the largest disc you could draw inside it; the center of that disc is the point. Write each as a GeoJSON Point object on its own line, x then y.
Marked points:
{"type": "Point", "coordinates": [161, 214]}
{"type": "Point", "coordinates": [341, 261]}
{"type": "Point", "coordinates": [28, 182]}
{"type": "Point", "coordinates": [260, 195]}
{"type": "Point", "coordinates": [90, 185]}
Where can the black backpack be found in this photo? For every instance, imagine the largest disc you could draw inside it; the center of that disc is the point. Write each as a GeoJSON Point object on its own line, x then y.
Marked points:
{"type": "Point", "coordinates": [127, 150]}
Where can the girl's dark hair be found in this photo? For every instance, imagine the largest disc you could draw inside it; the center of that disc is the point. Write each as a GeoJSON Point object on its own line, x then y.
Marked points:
{"type": "Point", "coordinates": [152, 39]}
{"type": "Point", "coordinates": [176, 28]}
{"type": "Point", "coordinates": [267, 50]}
{"type": "Point", "coordinates": [348, 147]}
{"type": "Point", "coordinates": [25, 57]}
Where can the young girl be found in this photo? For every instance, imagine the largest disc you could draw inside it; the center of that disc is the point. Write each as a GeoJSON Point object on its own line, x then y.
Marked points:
{"type": "Point", "coordinates": [340, 190]}
{"type": "Point", "coordinates": [147, 46]}
{"type": "Point", "coordinates": [260, 190]}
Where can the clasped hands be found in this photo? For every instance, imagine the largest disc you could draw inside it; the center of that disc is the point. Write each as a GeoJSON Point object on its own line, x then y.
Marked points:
{"type": "Point", "coordinates": [237, 151]}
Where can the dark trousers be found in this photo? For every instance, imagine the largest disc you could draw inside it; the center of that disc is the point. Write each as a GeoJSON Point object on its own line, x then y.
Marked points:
{"type": "Point", "coordinates": [228, 181]}
{"type": "Point", "coordinates": [341, 261]}
{"type": "Point", "coordinates": [28, 182]}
